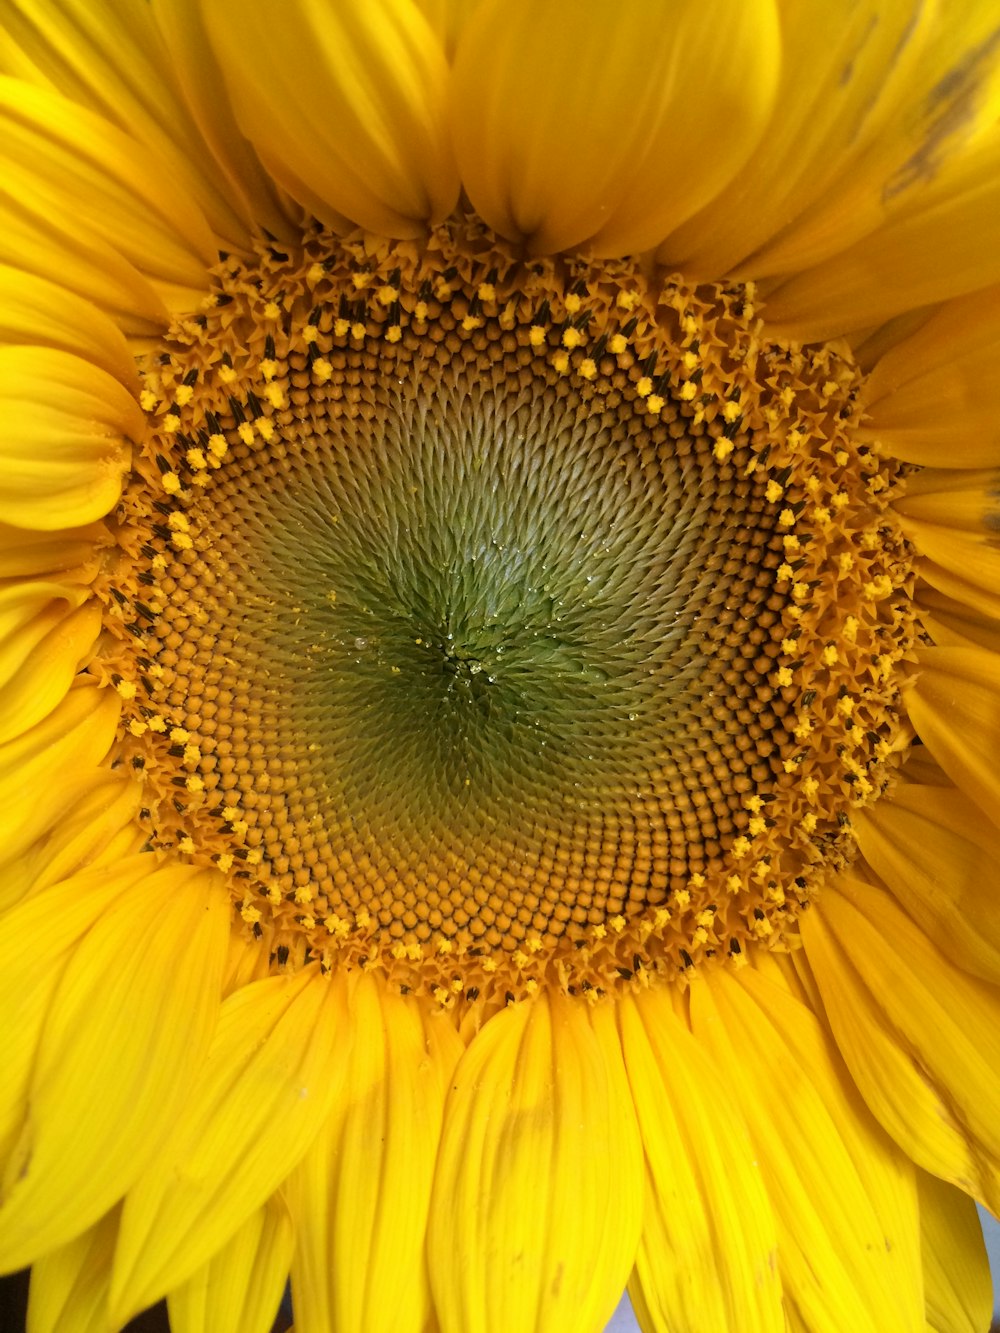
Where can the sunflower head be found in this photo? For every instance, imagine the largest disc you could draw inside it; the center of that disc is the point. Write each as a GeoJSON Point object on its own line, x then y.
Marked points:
{"type": "Point", "coordinates": [498, 663]}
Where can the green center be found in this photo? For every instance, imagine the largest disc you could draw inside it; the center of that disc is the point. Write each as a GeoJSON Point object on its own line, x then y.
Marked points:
{"type": "Point", "coordinates": [477, 606]}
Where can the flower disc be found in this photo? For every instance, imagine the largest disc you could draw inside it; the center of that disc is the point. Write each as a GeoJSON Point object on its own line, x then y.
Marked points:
{"type": "Point", "coordinates": [489, 619]}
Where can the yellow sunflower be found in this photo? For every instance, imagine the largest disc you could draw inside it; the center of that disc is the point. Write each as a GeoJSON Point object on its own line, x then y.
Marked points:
{"type": "Point", "coordinates": [500, 663]}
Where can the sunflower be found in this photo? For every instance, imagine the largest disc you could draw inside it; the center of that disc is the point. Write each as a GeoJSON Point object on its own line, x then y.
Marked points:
{"type": "Point", "coordinates": [500, 669]}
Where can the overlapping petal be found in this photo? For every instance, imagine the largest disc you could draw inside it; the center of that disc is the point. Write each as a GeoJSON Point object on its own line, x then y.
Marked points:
{"type": "Point", "coordinates": [708, 1254]}
{"type": "Point", "coordinates": [938, 856]}
{"type": "Point", "coordinates": [927, 398]}
{"type": "Point", "coordinates": [947, 246]}
{"type": "Point", "coordinates": [953, 700]}
{"type": "Point", "coordinates": [66, 428]}
{"type": "Point", "coordinates": [537, 1197]}
{"type": "Point", "coordinates": [954, 624]}
{"type": "Point", "coordinates": [957, 1289]}
{"type": "Point", "coordinates": [843, 1195]}
{"type": "Point", "coordinates": [47, 631]}
{"type": "Point", "coordinates": [910, 215]}
{"type": "Point", "coordinates": [600, 139]}
{"type": "Point", "coordinates": [263, 1092]}
{"type": "Point", "coordinates": [70, 554]}
{"type": "Point", "coordinates": [97, 827]}
{"type": "Point", "coordinates": [239, 1289]}
{"type": "Point", "coordinates": [35, 312]}
{"type": "Point", "coordinates": [361, 1195]}
{"type": "Point", "coordinates": [844, 72]}
{"type": "Point", "coordinates": [920, 1037]}
{"type": "Point", "coordinates": [58, 158]}
{"type": "Point", "coordinates": [112, 60]}
{"type": "Point", "coordinates": [69, 1285]}
{"type": "Point", "coordinates": [346, 105]}
{"type": "Point", "coordinates": [48, 767]}
{"type": "Point", "coordinates": [129, 1020]}
{"type": "Point", "coordinates": [952, 518]}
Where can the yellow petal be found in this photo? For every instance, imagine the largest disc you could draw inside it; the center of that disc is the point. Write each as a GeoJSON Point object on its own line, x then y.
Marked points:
{"type": "Point", "coordinates": [843, 70]}
{"type": "Point", "coordinates": [266, 1086]}
{"type": "Point", "coordinates": [346, 105]}
{"type": "Point", "coordinates": [953, 700]}
{"type": "Point", "coordinates": [75, 162]}
{"type": "Point", "coordinates": [63, 446]}
{"type": "Point", "coordinates": [240, 1288]}
{"type": "Point", "coordinates": [54, 921]}
{"type": "Point", "coordinates": [110, 59]}
{"type": "Point", "coordinates": [70, 555]}
{"type": "Point", "coordinates": [870, 345]}
{"type": "Point", "coordinates": [47, 632]}
{"type": "Point", "coordinates": [708, 1254]}
{"type": "Point", "coordinates": [607, 124]}
{"type": "Point", "coordinates": [48, 245]}
{"type": "Point", "coordinates": [843, 1195]}
{"type": "Point", "coordinates": [89, 207]}
{"type": "Point", "coordinates": [448, 19]}
{"type": "Point", "coordinates": [952, 519]}
{"type": "Point", "coordinates": [98, 828]}
{"type": "Point", "coordinates": [360, 1196]}
{"type": "Point", "coordinates": [953, 624]}
{"type": "Point", "coordinates": [251, 191]}
{"type": "Point", "coordinates": [46, 769]}
{"type": "Point", "coordinates": [36, 312]}
{"type": "Point", "coordinates": [939, 102]}
{"type": "Point", "coordinates": [129, 1021]}
{"type": "Point", "coordinates": [930, 399]}
{"type": "Point", "coordinates": [921, 767]}
{"type": "Point", "coordinates": [537, 1199]}
{"type": "Point", "coordinates": [249, 960]}
{"type": "Point", "coordinates": [957, 1284]}
{"type": "Point", "coordinates": [946, 246]}
{"type": "Point", "coordinates": [921, 1038]}
{"type": "Point", "coordinates": [974, 593]}
{"type": "Point", "coordinates": [69, 1285]}
{"type": "Point", "coordinates": [938, 856]}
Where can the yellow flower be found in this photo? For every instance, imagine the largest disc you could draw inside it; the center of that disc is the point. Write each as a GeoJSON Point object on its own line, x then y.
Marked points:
{"type": "Point", "coordinates": [500, 662]}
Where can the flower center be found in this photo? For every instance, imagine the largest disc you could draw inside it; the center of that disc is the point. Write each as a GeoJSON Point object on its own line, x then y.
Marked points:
{"type": "Point", "coordinates": [488, 620]}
